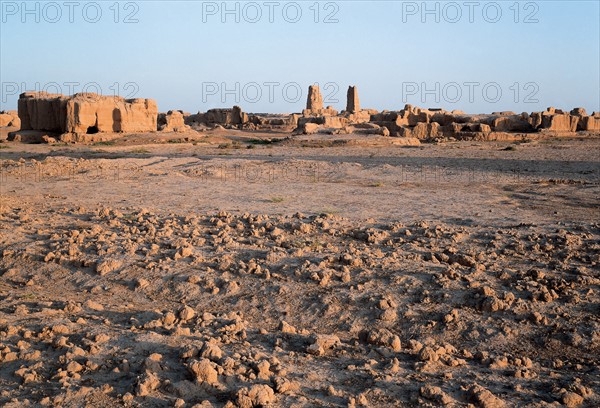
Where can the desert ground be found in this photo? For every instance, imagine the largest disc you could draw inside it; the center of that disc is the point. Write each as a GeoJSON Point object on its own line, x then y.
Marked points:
{"type": "Point", "coordinates": [248, 269]}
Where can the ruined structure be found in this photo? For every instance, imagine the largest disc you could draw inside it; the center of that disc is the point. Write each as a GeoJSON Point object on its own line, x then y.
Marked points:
{"type": "Point", "coordinates": [172, 121]}
{"type": "Point", "coordinates": [228, 117]}
{"type": "Point", "coordinates": [315, 99]}
{"type": "Point", "coordinates": [437, 123]}
{"type": "Point", "coordinates": [431, 124]}
{"type": "Point", "coordinates": [352, 103]}
{"type": "Point", "coordinates": [315, 118]}
{"type": "Point", "coordinates": [81, 115]}
{"type": "Point", "coordinates": [314, 104]}
{"type": "Point", "coordinates": [86, 113]}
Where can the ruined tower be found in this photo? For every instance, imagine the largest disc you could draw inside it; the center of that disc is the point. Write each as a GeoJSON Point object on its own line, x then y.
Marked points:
{"type": "Point", "coordinates": [314, 101]}
{"type": "Point", "coordinates": [352, 103]}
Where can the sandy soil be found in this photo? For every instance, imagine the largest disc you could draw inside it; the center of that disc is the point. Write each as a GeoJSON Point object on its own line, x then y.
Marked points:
{"type": "Point", "coordinates": [243, 270]}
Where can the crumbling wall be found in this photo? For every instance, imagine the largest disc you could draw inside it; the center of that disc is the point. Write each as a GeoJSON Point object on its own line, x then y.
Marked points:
{"type": "Point", "coordinates": [222, 116]}
{"type": "Point", "coordinates": [172, 121]}
{"type": "Point", "coordinates": [86, 113]}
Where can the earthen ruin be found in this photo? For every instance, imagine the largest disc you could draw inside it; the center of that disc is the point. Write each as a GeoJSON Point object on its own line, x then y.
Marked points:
{"type": "Point", "coordinates": [352, 104]}
{"type": "Point", "coordinates": [77, 117]}
{"type": "Point", "coordinates": [86, 113]}
{"type": "Point", "coordinates": [432, 124]}
{"type": "Point", "coordinates": [172, 121]}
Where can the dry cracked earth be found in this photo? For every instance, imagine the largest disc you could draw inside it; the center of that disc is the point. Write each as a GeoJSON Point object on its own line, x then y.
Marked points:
{"type": "Point", "coordinates": [364, 288]}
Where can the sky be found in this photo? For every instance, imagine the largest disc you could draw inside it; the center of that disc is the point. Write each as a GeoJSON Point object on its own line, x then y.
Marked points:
{"type": "Point", "coordinates": [475, 56]}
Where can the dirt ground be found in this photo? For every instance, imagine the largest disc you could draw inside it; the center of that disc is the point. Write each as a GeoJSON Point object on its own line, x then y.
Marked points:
{"type": "Point", "coordinates": [254, 270]}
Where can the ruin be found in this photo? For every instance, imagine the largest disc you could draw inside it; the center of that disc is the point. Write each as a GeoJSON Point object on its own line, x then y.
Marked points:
{"type": "Point", "coordinates": [172, 121]}
{"type": "Point", "coordinates": [86, 113]}
{"type": "Point", "coordinates": [437, 123]}
{"type": "Point", "coordinates": [79, 117]}
{"type": "Point", "coordinates": [314, 104]}
{"type": "Point", "coordinates": [315, 99]}
{"type": "Point", "coordinates": [222, 116]}
{"type": "Point", "coordinates": [352, 103]}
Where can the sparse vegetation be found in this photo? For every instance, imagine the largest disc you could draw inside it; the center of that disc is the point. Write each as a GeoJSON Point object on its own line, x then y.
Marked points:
{"type": "Point", "coordinates": [139, 150]}
{"type": "Point", "coordinates": [105, 143]}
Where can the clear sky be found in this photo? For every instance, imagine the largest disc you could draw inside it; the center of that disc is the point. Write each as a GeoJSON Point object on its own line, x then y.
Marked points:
{"type": "Point", "coordinates": [477, 56]}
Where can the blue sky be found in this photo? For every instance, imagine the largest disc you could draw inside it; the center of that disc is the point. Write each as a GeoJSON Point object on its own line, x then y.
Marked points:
{"type": "Point", "coordinates": [189, 55]}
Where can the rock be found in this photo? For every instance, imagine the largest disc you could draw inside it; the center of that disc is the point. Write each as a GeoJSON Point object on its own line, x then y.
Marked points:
{"type": "Point", "coordinates": [107, 266]}
{"type": "Point", "coordinates": [263, 370]}
{"type": "Point", "coordinates": [9, 119]}
{"type": "Point", "coordinates": [388, 315]}
{"type": "Point", "coordinates": [211, 351]}
{"type": "Point", "coordinates": [142, 283]}
{"type": "Point", "coordinates": [146, 384]}
{"type": "Point", "coordinates": [321, 343]}
{"type": "Point", "coordinates": [186, 313]}
{"type": "Point", "coordinates": [259, 395]}
{"type": "Point", "coordinates": [428, 354]}
{"type": "Point", "coordinates": [571, 399]}
{"type": "Point", "coordinates": [283, 385]}
{"type": "Point", "coordinates": [383, 337]}
{"type": "Point", "coordinates": [169, 319]}
{"type": "Point", "coordinates": [284, 327]}
{"type": "Point", "coordinates": [74, 367]}
{"type": "Point", "coordinates": [484, 398]}
{"type": "Point", "coordinates": [435, 394]}
{"type": "Point", "coordinates": [204, 371]}
{"type": "Point", "coordinates": [90, 304]}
